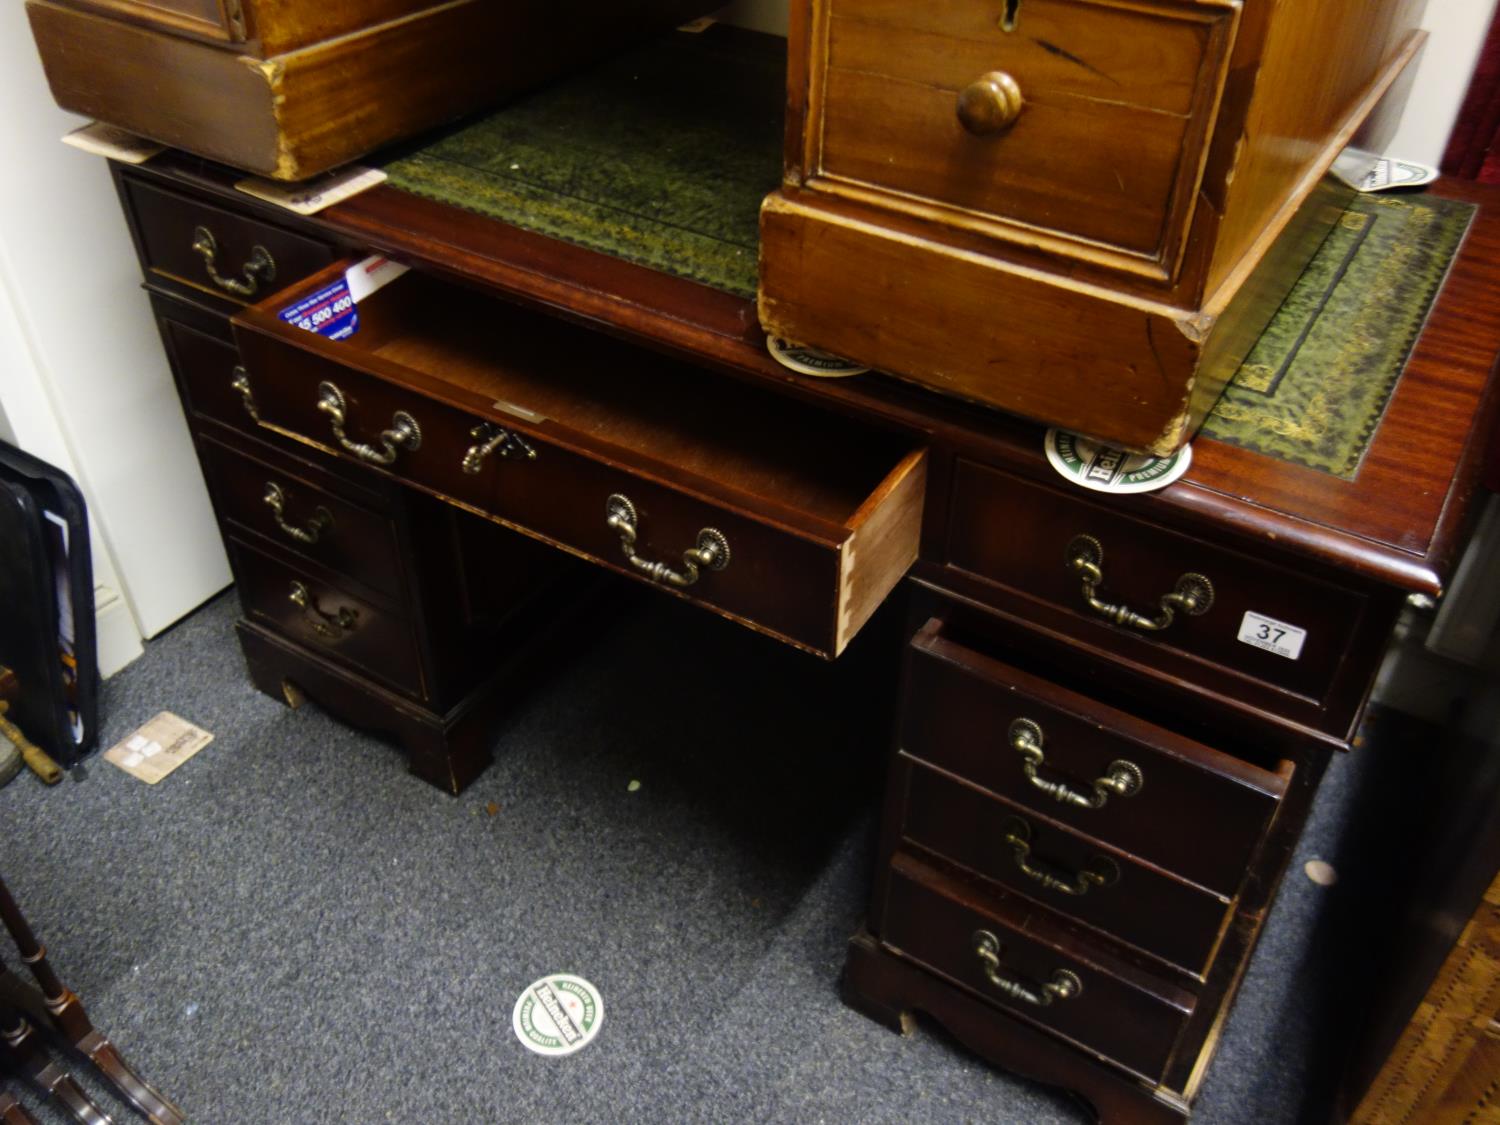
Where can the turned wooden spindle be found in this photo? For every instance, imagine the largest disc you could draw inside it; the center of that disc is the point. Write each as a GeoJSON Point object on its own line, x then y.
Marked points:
{"type": "Point", "coordinates": [11, 1112]}
{"type": "Point", "coordinates": [22, 1050]}
{"type": "Point", "coordinates": [69, 1018]}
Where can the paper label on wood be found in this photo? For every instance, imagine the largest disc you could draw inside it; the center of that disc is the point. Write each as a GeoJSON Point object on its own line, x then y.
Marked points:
{"type": "Point", "coordinates": [311, 196]}
{"type": "Point", "coordinates": [158, 748]}
{"type": "Point", "coordinates": [100, 139]}
{"type": "Point", "coordinates": [1270, 635]}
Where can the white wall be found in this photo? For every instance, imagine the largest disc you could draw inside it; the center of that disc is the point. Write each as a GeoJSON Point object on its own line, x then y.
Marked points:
{"type": "Point", "coordinates": [84, 380]}
{"type": "Point", "coordinates": [1457, 30]}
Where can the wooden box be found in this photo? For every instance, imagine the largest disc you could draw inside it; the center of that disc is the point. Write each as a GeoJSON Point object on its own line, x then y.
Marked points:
{"type": "Point", "coordinates": [291, 88]}
{"type": "Point", "coordinates": [1081, 211]}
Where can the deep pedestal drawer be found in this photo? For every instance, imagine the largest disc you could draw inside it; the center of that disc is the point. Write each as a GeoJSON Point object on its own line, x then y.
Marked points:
{"type": "Point", "coordinates": [1076, 876]}
{"type": "Point", "coordinates": [1014, 960]}
{"type": "Point", "coordinates": [1175, 803]}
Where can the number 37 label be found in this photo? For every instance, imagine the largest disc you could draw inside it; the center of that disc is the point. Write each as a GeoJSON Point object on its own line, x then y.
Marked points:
{"type": "Point", "coordinates": [1272, 635]}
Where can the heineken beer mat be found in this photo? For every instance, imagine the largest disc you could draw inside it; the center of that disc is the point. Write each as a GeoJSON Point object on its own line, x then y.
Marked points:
{"type": "Point", "coordinates": [810, 361]}
{"type": "Point", "coordinates": [1094, 465]}
{"type": "Point", "coordinates": [558, 1015]}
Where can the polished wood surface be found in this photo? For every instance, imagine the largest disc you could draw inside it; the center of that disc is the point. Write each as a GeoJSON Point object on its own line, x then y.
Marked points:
{"type": "Point", "coordinates": [372, 80]}
{"type": "Point", "coordinates": [821, 523]}
{"type": "Point", "coordinates": [1077, 877]}
{"type": "Point", "coordinates": [315, 518]}
{"type": "Point", "coordinates": [1129, 1015]}
{"type": "Point", "coordinates": [440, 607]}
{"type": "Point", "coordinates": [170, 224]}
{"type": "Point", "coordinates": [66, 1015]}
{"type": "Point", "coordinates": [888, 988]}
{"type": "Point", "coordinates": [1199, 812]}
{"type": "Point", "coordinates": [1106, 148]}
{"type": "Point", "coordinates": [1395, 522]}
{"type": "Point", "coordinates": [1233, 748]}
{"type": "Point", "coordinates": [1086, 266]}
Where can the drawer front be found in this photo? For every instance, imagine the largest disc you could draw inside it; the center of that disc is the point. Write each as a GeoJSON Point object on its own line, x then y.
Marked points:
{"type": "Point", "coordinates": [1128, 1018]}
{"type": "Point", "coordinates": [1116, 102]}
{"type": "Point", "coordinates": [1140, 563]}
{"type": "Point", "coordinates": [314, 612]}
{"type": "Point", "coordinates": [1076, 876]}
{"type": "Point", "coordinates": [295, 505]}
{"type": "Point", "coordinates": [776, 579]}
{"type": "Point", "coordinates": [209, 373]}
{"type": "Point", "coordinates": [214, 250]}
{"type": "Point", "coordinates": [1195, 812]}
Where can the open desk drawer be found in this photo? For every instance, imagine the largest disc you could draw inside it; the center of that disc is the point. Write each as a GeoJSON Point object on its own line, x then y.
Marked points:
{"type": "Point", "coordinates": [790, 520]}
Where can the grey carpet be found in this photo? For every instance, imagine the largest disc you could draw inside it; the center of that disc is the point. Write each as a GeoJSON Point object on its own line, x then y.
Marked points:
{"type": "Point", "coordinates": [293, 929]}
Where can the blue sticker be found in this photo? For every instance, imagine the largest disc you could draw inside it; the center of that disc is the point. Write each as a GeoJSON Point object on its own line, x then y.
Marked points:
{"type": "Point", "coordinates": [328, 312]}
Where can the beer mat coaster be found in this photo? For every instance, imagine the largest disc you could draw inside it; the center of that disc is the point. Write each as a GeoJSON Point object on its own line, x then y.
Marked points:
{"type": "Point", "coordinates": [1093, 465]}
{"type": "Point", "coordinates": [113, 142]}
{"type": "Point", "coordinates": [158, 747]}
{"type": "Point", "coordinates": [810, 361]}
{"type": "Point", "coordinates": [557, 1015]}
{"type": "Point", "coordinates": [630, 159]}
{"type": "Point", "coordinates": [311, 196]}
{"type": "Point", "coordinates": [1316, 384]}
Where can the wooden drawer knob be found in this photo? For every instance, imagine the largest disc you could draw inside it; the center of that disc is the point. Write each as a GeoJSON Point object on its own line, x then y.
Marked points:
{"type": "Point", "coordinates": [990, 104]}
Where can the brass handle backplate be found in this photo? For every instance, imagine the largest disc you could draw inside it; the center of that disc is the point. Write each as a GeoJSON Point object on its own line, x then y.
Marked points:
{"type": "Point", "coordinates": [711, 551]}
{"type": "Point", "coordinates": [1100, 872]}
{"type": "Point", "coordinates": [259, 268]}
{"type": "Point", "coordinates": [1193, 594]}
{"type": "Point", "coordinates": [320, 521]}
{"type": "Point", "coordinates": [1064, 984]}
{"type": "Point", "coordinates": [403, 434]}
{"type": "Point", "coordinates": [240, 384]}
{"type": "Point", "coordinates": [1122, 779]}
{"type": "Point", "coordinates": [325, 624]}
{"type": "Point", "coordinates": [990, 104]}
{"type": "Point", "coordinates": [490, 438]}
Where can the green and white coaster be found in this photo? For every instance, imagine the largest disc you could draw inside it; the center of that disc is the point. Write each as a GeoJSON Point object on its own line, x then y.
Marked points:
{"type": "Point", "coordinates": [810, 361]}
{"type": "Point", "coordinates": [1094, 465]}
{"type": "Point", "coordinates": [558, 1015]}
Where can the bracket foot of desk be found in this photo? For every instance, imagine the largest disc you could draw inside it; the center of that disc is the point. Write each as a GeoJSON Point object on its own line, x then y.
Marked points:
{"type": "Point", "coordinates": [887, 988]}
{"type": "Point", "coordinates": [445, 750]}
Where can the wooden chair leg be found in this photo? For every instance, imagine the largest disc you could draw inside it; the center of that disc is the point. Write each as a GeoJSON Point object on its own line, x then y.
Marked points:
{"type": "Point", "coordinates": [11, 1111]}
{"type": "Point", "coordinates": [71, 1021]}
{"type": "Point", "coordinates": [21, 1048]}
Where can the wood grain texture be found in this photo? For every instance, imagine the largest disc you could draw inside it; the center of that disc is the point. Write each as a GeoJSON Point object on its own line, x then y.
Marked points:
{"type": "Point", "coordinates": [322, 103]}
{"type": "Point", "coordinates": [1137, 903]}
{"type": "Point", "coordinates": [822, 522]}
{"type": "Point", "coordinates": [1445, 1070]}
{"type": "Point", "coordinates": [1122, 1012]}
{"type": "Point", "coordinates": [1108, 146]}
{"type": "Point", "coordinates": [1199, 812]}
{"type": "Point", "coordinates": [890, 989]}
{"type": "Point", "coordinates": [1086, 267]}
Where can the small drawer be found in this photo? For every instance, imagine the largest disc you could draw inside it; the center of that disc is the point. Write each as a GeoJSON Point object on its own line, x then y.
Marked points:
{"type": "Point", "coordinates": [1115, 105]}
{"type": "Point", "coordinates": [295, 505]}
{"type": "Point", "coordinates": [1139, 564]}
{"type": "Point", "coordinates": [1015, 960]}
{"type": "Point", "coordinates": [303, 604]}
{"type": "Point", "coordinates": [1074, 875]}
{"type": "Point", "coordinates": [1193, 811]}
{"type": "Point", "coordinates": [792, 521]}
{"type": "Point", "coordinates": [209, 373]}
{"type": "Point", "coordinates": [203, 246]}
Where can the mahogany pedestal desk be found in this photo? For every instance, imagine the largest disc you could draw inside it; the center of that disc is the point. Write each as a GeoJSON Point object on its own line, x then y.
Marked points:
{"type": "Point", "coordinates": [1094, 789]}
